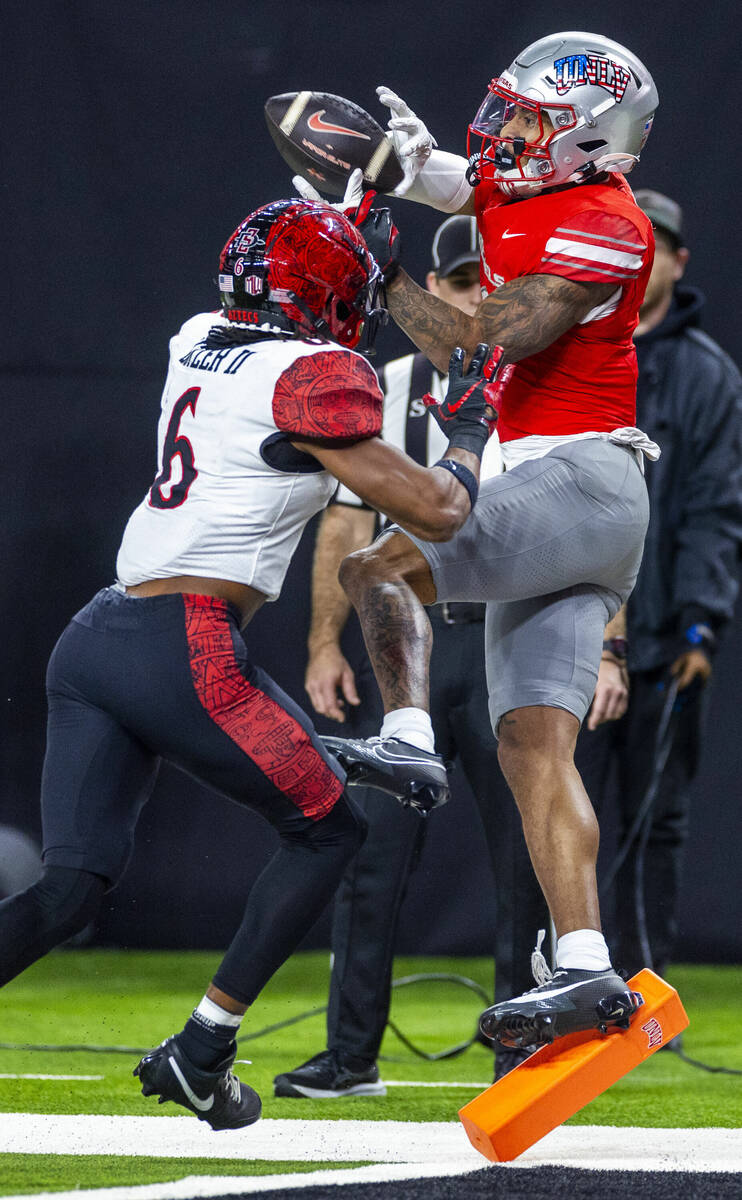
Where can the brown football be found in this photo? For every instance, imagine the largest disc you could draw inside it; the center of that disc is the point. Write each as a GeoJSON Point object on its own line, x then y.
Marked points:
{"type": "Point", "coordinates": [325, 137]}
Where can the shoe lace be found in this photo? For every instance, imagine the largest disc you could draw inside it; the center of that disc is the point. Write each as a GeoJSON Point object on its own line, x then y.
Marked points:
{"type": "Point", "coordinates": [231, 1086]}
{"type": "Point", "coordinates": [539, 968]}
{"type": "Point", "coordinates": [232, 1083]}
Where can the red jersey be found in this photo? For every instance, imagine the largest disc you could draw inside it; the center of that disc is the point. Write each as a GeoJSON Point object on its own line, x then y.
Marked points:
{"type": "Point", "coordinates": [585, 381]}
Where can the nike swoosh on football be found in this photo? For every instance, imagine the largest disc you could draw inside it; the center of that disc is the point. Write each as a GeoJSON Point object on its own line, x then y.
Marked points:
{"type": "Point", "coordinates": [509, 235]}
{"type": "Point", "coordinates": [201, 1105]}
{"type": "Point", "coordinates": [317, 125]}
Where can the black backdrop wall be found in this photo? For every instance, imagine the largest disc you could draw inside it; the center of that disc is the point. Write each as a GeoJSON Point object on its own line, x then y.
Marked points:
{"type": "Point", "coordinates": [135, 142]}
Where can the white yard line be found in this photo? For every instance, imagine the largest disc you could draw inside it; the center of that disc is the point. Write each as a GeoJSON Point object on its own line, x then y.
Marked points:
{"type": "Point", "coordinates": [477, 1087]}
{"type": "Point", "coordinates": [428, 1148]}
{"type": "Point", "coordinates": [185, 1137]}
{"type": "Point", "coordinates": [52, 1077]}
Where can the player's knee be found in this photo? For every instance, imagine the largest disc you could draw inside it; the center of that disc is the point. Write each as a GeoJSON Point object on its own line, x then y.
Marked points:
{"type": "Point", "coordinates": [392, 559]}
{"type": "Point", "coordinates": [66, 899]}
{"type": "Point", "coordinates": [342, 831]}
{"type": "Point", "coordinates": [360, 571]}
{"type": "Point", "coordinates": [536, 743]}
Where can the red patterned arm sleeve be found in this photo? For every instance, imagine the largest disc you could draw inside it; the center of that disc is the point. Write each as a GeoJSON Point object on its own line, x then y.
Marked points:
{"type": "Point", "coordinates": [332, 396]}
{"type": "Point", "coordinates": [595, 247]}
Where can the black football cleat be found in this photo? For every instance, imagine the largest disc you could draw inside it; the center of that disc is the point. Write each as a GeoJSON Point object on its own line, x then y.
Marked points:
{"type": "Point", "coordinates": [418, 779]}
{"type": "Point", "coordinates": [330, 1075]}
{"type": "Point", "coordinates": [216, 1097]}
{"type": "Point", "coordinates": [570, 1001]}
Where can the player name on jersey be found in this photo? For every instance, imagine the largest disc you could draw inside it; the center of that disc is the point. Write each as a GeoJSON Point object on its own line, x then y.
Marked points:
{"type": "Point", "coordinates": [203, 358]}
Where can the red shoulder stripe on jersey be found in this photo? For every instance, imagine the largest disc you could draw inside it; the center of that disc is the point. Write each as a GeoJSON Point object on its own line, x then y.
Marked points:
{"type": "Point", "coordinates": [269, 735]}
{"type": "Point", "coordinates": [333, 395]}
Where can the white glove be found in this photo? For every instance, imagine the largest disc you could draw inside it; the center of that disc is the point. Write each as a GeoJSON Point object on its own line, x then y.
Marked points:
{"type": "Point", "coordinates": [351, 199]}
{"type": "Point", "coordinates": [431, 176]}
{"type": "Point", "coordinates": [410, 137]}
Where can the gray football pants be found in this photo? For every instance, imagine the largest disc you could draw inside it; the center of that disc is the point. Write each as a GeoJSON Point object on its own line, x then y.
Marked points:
{"type": "Point", "coordinates": [554, 547]}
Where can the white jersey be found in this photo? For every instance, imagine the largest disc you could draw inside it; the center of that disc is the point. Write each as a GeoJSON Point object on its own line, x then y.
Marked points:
{"type": "Point", "coordinates": [402, 408]}
{"type": "Point", "coordinates": [232, 495]}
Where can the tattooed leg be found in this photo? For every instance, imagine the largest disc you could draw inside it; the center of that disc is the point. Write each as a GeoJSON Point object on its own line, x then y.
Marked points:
{"type": "Point", "coordinates": [388, 584]}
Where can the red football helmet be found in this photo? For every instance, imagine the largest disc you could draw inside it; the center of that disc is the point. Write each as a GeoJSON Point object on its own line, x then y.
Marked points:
{"type": "Point", "coordinates": [302, 267]}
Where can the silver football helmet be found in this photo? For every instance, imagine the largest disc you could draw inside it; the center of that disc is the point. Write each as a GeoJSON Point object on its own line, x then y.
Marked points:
{"type": "Point", "coordinates": [570, 106]}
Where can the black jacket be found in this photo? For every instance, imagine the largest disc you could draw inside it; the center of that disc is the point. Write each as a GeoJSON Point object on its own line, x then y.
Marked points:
{"type": "Point", "coordinates": [689, 400]}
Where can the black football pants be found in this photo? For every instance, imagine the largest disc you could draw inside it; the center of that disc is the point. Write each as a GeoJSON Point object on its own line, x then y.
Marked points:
{"type": "Point", "coordinates": [132, 680]}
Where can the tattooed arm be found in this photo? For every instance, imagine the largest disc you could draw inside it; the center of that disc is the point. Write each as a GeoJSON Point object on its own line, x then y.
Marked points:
{"type": "Point", "coordinates": [523, 316]}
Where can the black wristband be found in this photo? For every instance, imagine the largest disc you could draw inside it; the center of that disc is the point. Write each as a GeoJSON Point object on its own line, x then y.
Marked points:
{"type": "Point", "coordinates": [463, 475]}
{"type": "Point", "coordinates": [617, 646]}
{"type": "Point", "coordinates": [472, 437]}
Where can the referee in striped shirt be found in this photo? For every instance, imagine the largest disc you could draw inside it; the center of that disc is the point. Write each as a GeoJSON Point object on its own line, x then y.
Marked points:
{"type": "Point", "coordinates": [369, 899]}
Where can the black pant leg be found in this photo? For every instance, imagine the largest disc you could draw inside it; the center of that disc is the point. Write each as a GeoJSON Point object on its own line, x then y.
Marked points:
{"type": "Point", "coordinates": [288, 897]}
{"type": "Point", "coordinates": [370, 895]}
{"type": "Point", "coordinates": [648, 892]}
{"type": "Point", "coordinates": [459, 696]}
{"type": "Point", "coordinates": [366, 916]}
{"type": "Point", "coordinates": [171, 676]}
{"type": "Point", "coordinates": [596, 755]}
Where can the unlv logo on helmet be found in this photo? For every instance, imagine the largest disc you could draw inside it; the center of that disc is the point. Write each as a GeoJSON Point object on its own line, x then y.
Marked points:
{"type": "Point", "coordinates": [578, 69]}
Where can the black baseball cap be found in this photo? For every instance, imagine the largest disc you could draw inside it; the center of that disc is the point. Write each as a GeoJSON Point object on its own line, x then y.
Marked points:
{"type": "Point", "coordinates": [456, 242]}
{"type": "Point", "coordinates": [663, 212]}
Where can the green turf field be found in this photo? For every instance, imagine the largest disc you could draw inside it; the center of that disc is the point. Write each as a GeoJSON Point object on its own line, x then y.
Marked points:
{"type": "Point", "coordinates": [134, 999]}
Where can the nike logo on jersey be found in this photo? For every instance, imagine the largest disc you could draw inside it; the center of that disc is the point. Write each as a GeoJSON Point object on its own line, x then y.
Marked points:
{"type": "Point", "coordinates": [201, 1105]}
{"type": "Point", "coordinates": [509, 235]}
{"type": "Point", "coordinates": [317, 125]}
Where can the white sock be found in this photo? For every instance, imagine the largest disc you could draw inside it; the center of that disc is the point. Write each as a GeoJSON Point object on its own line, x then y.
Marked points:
{"type": "Point", "coordinates": [583, 950]}
{"type": "Point", "coordinates": [213, 1014]}
{"type": "Point", "coordinates": [410, 725]}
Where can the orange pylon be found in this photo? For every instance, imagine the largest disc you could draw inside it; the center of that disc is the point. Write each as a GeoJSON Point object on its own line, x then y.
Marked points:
{"type": "Point", "coordinates": [561, 1078]}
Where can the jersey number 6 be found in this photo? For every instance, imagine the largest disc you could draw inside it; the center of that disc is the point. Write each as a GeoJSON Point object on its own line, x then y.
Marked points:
{"type": "Point", "coordinates": [176, 446]}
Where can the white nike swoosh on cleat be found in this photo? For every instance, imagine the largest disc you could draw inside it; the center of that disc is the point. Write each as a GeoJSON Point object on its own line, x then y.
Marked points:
{"type": "Point", "coordinates": [509, 235]}
{"type": "Point", "coordinates": [535, 996]}
{"type": "Point", "coordinates": [201, 1105]}
{"type": "Point", "coordinates": [396, 760]}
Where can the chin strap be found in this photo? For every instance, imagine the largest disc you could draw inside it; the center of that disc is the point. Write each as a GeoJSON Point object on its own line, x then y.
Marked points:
{"type": "Point", "coordinates": [607, 162]}
{"type": "Point", "coordinates": [318, 324]}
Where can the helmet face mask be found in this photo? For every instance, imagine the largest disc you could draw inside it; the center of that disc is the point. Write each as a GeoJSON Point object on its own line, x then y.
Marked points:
{"type": "Point", "coordinates": [301, 268]}
{"type": "Point", "coordinates": [570, 106]}
{"type": "Point", "coordinates": [521, 156]}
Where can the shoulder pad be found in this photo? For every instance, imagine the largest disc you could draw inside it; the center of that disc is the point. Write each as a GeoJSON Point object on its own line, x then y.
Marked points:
{"type": "Point", "coordinates": [332, 395]}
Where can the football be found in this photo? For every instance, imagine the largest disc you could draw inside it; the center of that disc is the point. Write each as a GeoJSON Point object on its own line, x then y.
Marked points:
{"type": "Point", "coordinates": [325, 137]}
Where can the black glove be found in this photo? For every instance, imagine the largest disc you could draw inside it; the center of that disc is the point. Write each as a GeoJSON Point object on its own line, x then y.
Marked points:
{"type": "Point", "coordinates": [380, 234]}
{"type": "Point", "coordinates": [468, 414]}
